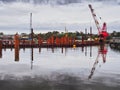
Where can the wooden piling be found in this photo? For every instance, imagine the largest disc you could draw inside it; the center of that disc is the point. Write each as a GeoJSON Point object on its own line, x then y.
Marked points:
{"type": "Point", "coordinates": [16, 46]}
{"type": "Point", "coordinates": [90, 41]}
{"type": "Point", "coordinates": [40, 41]}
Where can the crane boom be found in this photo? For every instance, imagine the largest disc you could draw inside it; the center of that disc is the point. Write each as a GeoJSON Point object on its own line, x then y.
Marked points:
{"type": "Point", "coordinates": [102, 31]}
{"type": "Point", "coordinates": [95, 18]}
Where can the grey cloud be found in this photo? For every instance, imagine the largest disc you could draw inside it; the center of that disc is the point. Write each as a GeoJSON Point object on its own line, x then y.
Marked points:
{"type": "Point", "coordinates": [55, 1]}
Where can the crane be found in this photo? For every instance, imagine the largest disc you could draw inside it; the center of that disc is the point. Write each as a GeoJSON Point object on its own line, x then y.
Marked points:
{"type": "Point", "coordinates": [103, 34]}
{"type": "Point", "coordinates": [101, 31]}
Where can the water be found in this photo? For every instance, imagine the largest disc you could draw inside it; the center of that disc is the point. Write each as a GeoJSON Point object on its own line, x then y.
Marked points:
{"type": "Point", "coordinates": [60, 69]}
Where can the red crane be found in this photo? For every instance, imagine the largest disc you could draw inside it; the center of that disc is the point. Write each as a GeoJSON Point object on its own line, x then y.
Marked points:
{"type": "Point", "coordinates": [103, 34]}
{"type": "Point", "coordinates": [101, 31]}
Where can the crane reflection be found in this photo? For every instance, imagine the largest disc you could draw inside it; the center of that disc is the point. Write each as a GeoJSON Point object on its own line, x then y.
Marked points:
{"type": "Point", "coordinates": [102, 50]}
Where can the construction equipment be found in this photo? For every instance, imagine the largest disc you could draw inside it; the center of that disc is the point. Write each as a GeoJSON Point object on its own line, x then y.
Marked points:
{"type": "Point", "coordinates": [101, 31]}
{"type": "Point", "coordinates": [103, 34]}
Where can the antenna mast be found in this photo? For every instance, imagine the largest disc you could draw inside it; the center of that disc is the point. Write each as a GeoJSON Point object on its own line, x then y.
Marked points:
{"type": "Point", "coordinates": [30, 21]}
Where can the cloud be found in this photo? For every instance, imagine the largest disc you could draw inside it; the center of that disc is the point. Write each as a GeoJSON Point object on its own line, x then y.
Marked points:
{"type": "Point", "coordinates": [16, 16]}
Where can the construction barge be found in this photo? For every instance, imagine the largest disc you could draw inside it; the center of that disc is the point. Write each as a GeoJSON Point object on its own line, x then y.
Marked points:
{"type": "Point", "coordinates": [51, 42]}
{"type": "Point", "coordinates": [50, 46]}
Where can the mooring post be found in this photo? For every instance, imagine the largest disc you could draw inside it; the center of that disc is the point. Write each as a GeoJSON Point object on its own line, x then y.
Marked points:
{"type": "Point", "coordinates": [86, 35]}
{"type": "Point", "coordinates": [86, 42]}
{"type": "Point", "coordinates": [16, 46]}
{"type": "Point", "coordinates": [91, 42]}
{"type": "Point", "coordinates": [90, 35]}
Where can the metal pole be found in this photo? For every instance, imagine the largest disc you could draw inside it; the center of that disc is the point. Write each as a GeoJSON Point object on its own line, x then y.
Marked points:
{"type": "Point", "coordinates": [30, 21]}
{"type": "Point", "coordinates": [31, 29]}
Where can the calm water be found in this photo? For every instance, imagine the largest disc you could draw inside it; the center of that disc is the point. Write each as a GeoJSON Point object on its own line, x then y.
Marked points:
{"type": "Point", "coordinates": [60, 69]}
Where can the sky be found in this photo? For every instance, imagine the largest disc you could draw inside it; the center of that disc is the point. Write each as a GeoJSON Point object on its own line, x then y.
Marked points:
{"type": "Point", "coordinates": [15, 17]}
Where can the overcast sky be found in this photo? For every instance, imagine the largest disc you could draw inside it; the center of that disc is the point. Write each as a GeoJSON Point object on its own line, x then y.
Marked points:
{"type": "Point", "coordinates": [15, 17]}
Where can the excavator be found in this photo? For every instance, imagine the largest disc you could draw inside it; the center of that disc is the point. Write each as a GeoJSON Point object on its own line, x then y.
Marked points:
{"type": "Point", "coordinates": [103, 34]}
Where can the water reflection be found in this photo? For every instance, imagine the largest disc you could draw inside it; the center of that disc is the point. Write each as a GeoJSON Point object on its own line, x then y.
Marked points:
{"type": "Point", "coordinates": [85, 51]}
{"type": "Point", "coordinates": [90, 51]}
{"type": "Point", "coordinates": [17, 54]}
{"type": "Point", "coordinates": [32, 58]}
{"type": "Point", "coordinates": [39, 50]}
{"type": "Point", "coordinates": [16, 46]}
{"type": "Point", "coordinates": [63, 51]}
{"type": "Point", "coordinates": [59, 82]}
{"type": "Point", "coordinates": [82, 48]}
{"type": "Point", "coordinates": [0, 49]}
{"type": "Point", "coordinates": [115, 47]}
{"type": "Point", "coordinates": [102, 50]}
{"type": "Point", "coordinates": [57, 69]}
